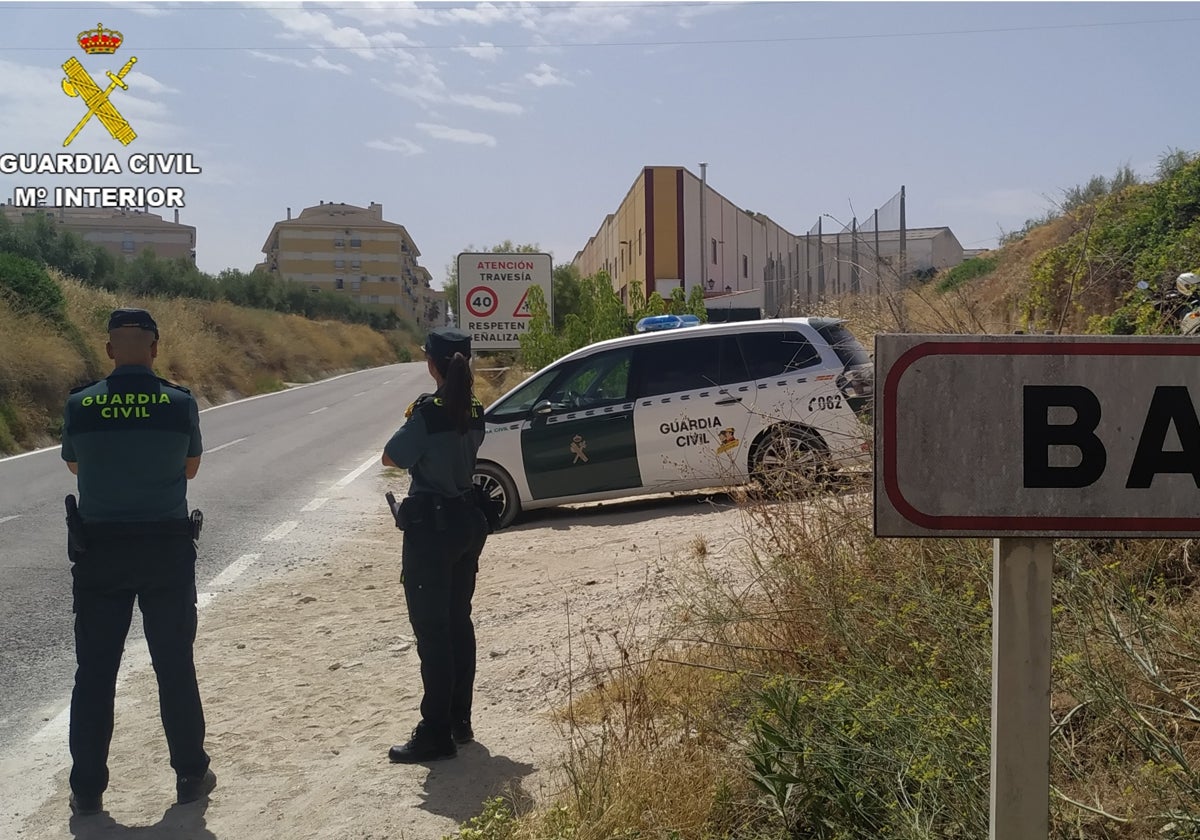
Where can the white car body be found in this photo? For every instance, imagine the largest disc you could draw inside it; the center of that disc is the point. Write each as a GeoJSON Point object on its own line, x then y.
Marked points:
{"type": "Point", "coordinates": [676, 410]}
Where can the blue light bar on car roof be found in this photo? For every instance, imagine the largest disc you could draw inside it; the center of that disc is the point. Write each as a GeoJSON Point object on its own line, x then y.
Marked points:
{"type": "Point", "coordinates": [654, 323]}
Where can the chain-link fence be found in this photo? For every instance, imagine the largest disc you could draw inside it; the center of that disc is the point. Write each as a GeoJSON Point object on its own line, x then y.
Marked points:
{"type": "Point", "coordinates": [865, 256]}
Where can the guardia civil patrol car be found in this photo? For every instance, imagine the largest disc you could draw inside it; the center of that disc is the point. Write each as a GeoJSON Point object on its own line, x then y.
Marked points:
{"type": "Point", "coordinates": [681, 406]}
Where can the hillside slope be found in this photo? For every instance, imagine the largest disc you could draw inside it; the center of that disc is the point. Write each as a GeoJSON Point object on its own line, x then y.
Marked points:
{"type": "Point", "coordinates": [1079, 272]}
{"type": "Point", "coordinates": [220, 351]}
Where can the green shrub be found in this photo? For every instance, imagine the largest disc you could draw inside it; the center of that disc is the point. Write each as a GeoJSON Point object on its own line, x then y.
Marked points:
{"type": "Point", "coordinates": [966, 270]}
{"type": "Point", "coordinates": [29, 289]}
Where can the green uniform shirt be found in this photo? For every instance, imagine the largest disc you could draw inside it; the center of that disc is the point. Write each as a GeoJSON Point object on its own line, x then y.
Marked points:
{"type": "Point", "coordinates": [439, 459]}
{"type": "Point", "coordinates": [131, 435]}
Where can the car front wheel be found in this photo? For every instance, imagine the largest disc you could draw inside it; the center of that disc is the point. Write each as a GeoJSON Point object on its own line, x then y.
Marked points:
{"type": "Point", "coordinates": [500, 488]}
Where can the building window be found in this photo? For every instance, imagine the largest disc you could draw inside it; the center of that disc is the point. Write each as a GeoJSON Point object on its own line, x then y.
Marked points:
{"type": "Point", "coordinates": [315, 289]}
{"type": "Point", "coordinates": [355, 243]}
{"type": "Point", "coordinates": [356, 263]}
{"type": "Point", "coordinates": [714, 250]}
{"type": "Point", "coordinates": [339, 243]}
{"type": "Point", "coordinates": [373, 299]}
{"type": "Point", "coordinates": [339, 263]}
{"type": "Point", "coordinates": [127, 246]}
{"type": "Point", "coordinates": [355, 285]}
{"type": "Point", "coordinates": [639, 242]}
{"type": "Point", "coordinates": [339, 283]}
{"type": "Point", "coordinates": [745, 266]}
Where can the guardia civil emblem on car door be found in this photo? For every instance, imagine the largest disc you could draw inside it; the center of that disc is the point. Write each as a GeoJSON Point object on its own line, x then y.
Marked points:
{"type": "Point", "coordinates": [578, 444]}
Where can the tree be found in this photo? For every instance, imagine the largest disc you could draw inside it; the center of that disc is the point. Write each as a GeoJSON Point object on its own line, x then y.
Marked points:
{"type": "Point", "coordinates": [695, 304]}
{"type": "Point", "coordinates": [540, 344]}
{"type": "Point", "coordinates": [567, 288]}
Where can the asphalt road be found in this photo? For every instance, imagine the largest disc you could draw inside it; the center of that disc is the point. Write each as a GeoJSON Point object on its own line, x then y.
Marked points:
{"type": "Point", "coordinates": [265, 459]}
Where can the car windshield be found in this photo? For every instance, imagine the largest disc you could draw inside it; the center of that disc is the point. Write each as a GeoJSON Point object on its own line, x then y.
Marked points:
{"type": "Point", "coordinates": [520, 401]}
{"type": "Point", "coordinates": [845, 345]}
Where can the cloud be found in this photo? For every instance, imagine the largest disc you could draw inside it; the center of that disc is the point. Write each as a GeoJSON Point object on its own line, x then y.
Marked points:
{"type": "Point", "coordinates": [545, 75]}
{"type": "Point", "coordinates": [483, 51]}
{"type": "Point", "coordinates": [147, 84]}
{"type": "Point", "coordinates": [485, 103]}
{"type": "Point", "coordinates": [144, 9]}
{"type": "Point", "coordinates": [430, 90]}
{"type": "Point", "coordinates": [397, 144]}
{"type": "Point", "coordinates": [318, 63]}
{"type": "Point", "coordinates": [457, 135]}
{"type": "Point", "coordinates": [322, 63]}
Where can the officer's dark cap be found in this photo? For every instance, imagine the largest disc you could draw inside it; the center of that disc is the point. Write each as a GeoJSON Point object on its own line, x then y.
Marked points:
{"type": "Point", "coordinates": [139, 318]}
{"type": "Point", "coordinates": [444, 342]}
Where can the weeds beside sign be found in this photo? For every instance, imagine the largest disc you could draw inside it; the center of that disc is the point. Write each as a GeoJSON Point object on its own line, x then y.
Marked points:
{"type": "Point", "coordinates": [1045, 436]}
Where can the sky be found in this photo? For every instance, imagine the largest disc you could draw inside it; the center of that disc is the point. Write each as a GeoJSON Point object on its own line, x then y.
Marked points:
{"type": "Point", "coordinates": [473, 123]}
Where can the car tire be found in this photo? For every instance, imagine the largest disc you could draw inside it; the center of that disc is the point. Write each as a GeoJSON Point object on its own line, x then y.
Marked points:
{"type": "Point", "coordinates": [790, 461]}
{"type": "Point", "coordinates": [500, 488]}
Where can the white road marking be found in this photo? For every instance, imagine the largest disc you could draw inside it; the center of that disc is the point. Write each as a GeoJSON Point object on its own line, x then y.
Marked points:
{"type": "Point", "coordinates": [9, 518]}
{"type": "Point", "coordinates": [282, 531]}
{"type": "Point", "coordinates": [233, 571]}
{"type": "Point", "coordinates": [387, 382]}
{"type": "Point", "coordinates": [362, 468]}
{"type": "Point", "coordinates": [313, 505]}
{"type": "Point", "coordinates": [319, 410]}
{"type": "Point", "coordinates": [224, 446]}
{"type": "Point", "coordinates": [359, 394]}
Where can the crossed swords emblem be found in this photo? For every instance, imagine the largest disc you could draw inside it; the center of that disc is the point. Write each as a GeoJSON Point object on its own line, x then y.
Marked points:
{"type": "Point", "coordinates": [79, 83]}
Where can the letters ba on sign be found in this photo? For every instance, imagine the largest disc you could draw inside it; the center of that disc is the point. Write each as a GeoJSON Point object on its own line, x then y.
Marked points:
{"type": "Point", "coordinates": [1037, 436]}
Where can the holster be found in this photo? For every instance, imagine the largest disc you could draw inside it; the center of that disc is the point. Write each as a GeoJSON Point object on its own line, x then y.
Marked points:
{"type": "Point", "coordinates": [488, 506]}
{"type": "Point", "coordinates": [76, 539]}
{"type": "Point", "coordinates": [197, 520]}
{"type": "Point", "coordinates": [422, 511]}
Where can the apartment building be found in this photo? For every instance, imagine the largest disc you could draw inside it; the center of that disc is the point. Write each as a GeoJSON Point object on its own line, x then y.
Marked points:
{"type": "Point", "coordinates": [672, 230]}
{"type": "Point", "coordinates": [123, 233]}
{"type": "Point", "coordinates": [352, 250]}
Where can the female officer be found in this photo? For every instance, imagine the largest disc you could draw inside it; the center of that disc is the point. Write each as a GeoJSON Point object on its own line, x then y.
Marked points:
{"type": "Point", "coordinates": [444, 533]}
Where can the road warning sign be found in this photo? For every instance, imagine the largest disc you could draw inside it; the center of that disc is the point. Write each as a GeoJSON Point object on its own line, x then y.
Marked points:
{"type": "Point", "coordinates": [522, 310]}
{"type": "Point", "coordinates": [493, 304]}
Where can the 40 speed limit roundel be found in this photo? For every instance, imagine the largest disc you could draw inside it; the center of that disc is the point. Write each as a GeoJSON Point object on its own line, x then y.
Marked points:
{"type": "Point", "coordinates": [482, 301]}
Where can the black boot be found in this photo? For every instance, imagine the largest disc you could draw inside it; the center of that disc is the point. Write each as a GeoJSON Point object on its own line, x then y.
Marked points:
{"type": "Point", "coordinates": [461, 732]}
{"type": "Point", "coordinates": [86, 806]}
{"type": "Point", "coordinates": [424, 746]}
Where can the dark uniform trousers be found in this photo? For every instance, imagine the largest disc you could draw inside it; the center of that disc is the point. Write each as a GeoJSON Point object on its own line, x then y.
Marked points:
{"type": "Point", "coordinates": [439, 581]}
{"type": "Point", "coordinates": [160, 572]}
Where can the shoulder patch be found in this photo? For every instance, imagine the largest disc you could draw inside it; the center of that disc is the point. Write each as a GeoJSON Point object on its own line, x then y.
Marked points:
{"type": "Point", "coordinates": [417, 403]}
{"type": "Point", "coordinates": [171, 384]}
{"type": "Point", "coordinates": [85, 385]}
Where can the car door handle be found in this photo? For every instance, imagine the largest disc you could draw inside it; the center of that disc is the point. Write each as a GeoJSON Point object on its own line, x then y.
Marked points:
{"type": "Point", "coordinates": [728, 401]}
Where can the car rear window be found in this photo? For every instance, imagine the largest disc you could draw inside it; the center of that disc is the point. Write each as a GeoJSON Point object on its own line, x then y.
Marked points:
{"type": "Point", "coordinates": [845, 345]}
{"type": "Point", "coordinates": [774, 353]}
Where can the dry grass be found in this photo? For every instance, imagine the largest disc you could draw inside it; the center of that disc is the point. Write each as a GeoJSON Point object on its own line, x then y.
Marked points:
{"type": "Point", "coordinates": [220, 351]}
{"type": "Point", "coordinates": [837, 687]}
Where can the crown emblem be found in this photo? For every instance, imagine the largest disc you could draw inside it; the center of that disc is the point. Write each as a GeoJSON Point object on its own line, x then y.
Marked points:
{"type": "Point", "coordinates": [100, 41]}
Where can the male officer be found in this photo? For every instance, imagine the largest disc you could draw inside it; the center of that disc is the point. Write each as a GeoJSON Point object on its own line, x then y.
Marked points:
{"type": "Point", "coordinates": [134, 441]}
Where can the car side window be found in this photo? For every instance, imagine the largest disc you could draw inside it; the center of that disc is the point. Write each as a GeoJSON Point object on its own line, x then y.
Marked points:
{"type": "Point", "coordinates": [668, 367]}
{"type": "Point", "coordinates": [599, 380]}
{"type": "Point", "coordinates": [692, 364]}
{"type": "Point", "coordinates": [777, 352]}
